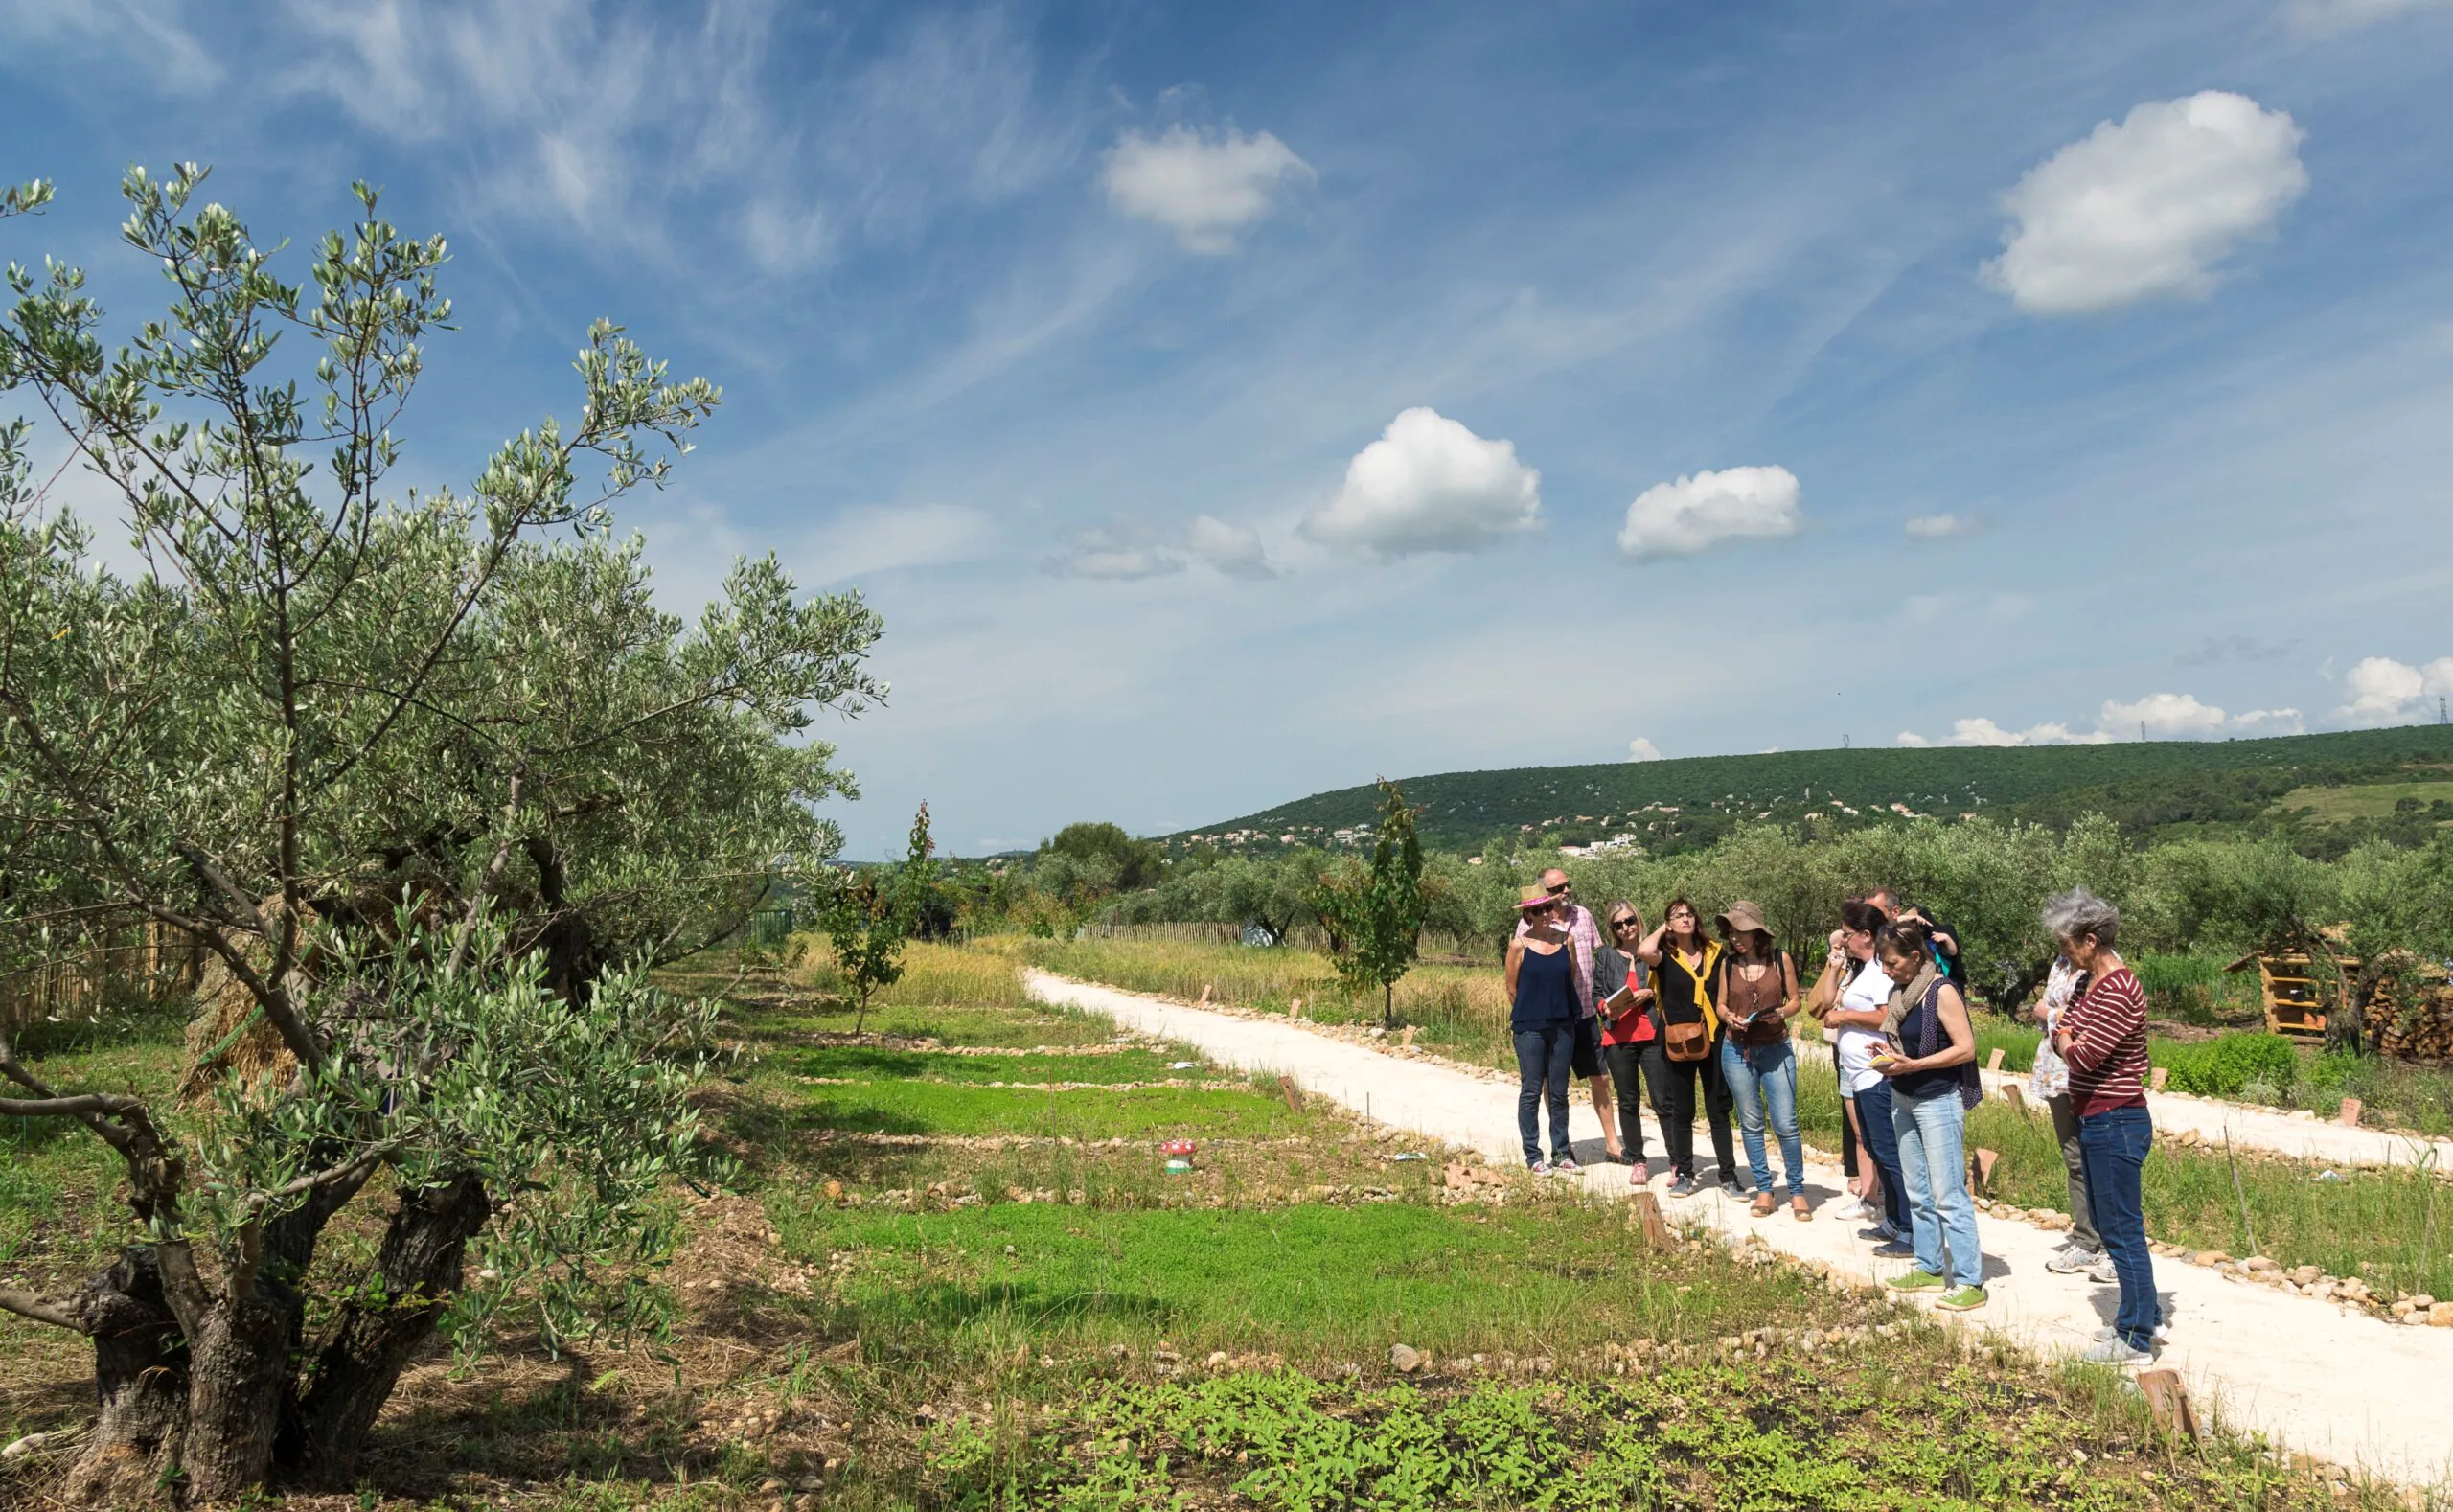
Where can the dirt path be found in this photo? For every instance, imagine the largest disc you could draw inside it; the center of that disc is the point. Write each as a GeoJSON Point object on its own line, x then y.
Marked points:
{"type": "Point", "coordinates": [2310, 1375]}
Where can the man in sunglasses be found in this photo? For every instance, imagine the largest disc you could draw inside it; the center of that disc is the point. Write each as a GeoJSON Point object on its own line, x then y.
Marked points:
{"type": "Point", "coordinates": [1585, 936]}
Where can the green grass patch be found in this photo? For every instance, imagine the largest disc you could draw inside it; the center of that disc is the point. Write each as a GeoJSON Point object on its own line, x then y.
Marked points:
{"type": "Point", "coordinates": [876, 1062]}
{"type": "Point", "coordinates": [927, 1107]}
{"type": "Point", "coordinates": [2367, 800]}
{"type": "Point", "coordinates": [1313, 1282]}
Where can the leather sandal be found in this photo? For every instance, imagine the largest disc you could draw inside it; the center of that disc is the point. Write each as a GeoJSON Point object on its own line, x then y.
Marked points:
{"type": "Point", "coordinates": [1762, 1205]}
{"type": "Point", "coordinates": [1801, 1209]}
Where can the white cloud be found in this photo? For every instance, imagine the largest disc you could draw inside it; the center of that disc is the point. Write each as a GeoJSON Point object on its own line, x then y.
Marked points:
{"type": "Point", "coordinates": [1115, 553]}
{"type": "Point", "coordinates": [1682, 517]}
{"type": "Point", "coordinates": [786, 238]}
{"type": "Point", "coordinates": [2270, 721]}
{"type": "Point", "coordinates": [2164, 714]}
{"type": "Point", "coordinates": [1642, 749]}
{"type": "Point", "coordinates": [1429, 484]}
{"type": "Point", "coordinates": [1125, 549]}
{"type": "Point", "coordinates": [1912, 740]}
{"type": "Point", "coordinates": [2143, 209]}
{"type": "Point", "coordinates": [1204, 188]}
{"type": "Point", "coordinates": [2383, 690]}
{"type": "Point", "coordinates": [1933, 527]}
{"type": "Point", "coordinates": [152, 31]}
{"type": "Point", "coordinates": [2342, 15]}
{"type": "Point", "coordinates": [1234, 550]}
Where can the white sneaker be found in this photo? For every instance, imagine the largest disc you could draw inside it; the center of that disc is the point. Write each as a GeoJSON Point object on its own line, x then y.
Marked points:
{"type": "Point", "coordinates": [2069, 1260]}
{"type": "Point", "coordinates": [2162, 1333]}
{"type": "Point", "coordinates": [2101, 1271]}
{"type": "Point", "coordinates": [1851, 1211]}
{"type": "Point", "coordinates": [2115, 1351]}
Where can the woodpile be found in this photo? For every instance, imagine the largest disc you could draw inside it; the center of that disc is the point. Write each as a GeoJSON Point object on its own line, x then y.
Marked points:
{"type": "Point", "coordinates": [145, 962]}
{"type": "Point", "coordinates": [2416, 1024]}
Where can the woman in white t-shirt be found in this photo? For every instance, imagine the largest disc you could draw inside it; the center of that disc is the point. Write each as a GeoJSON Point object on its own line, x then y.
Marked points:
{"type": "Point", "coordinates": [1850, 999]}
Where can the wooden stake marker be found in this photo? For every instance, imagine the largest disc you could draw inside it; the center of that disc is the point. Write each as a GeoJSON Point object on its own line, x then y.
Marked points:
{"type": "Point", "coordinates": [2168, 1400]}
{"type": "Point", "coordinates": [1294, 1093]}
{"type": "Point", "coordinates": [1406, 1040]}
{"type": "Point", "coordinates": [1647, 1213]}
{"type": "Point", "coordinates": [1993, 1061]}
{"type": "Point", "coordinates": [2348, 1117]}
{"type": "Point", "coordinates": [2012, 1095]}
{"type": "Point", "coordinates": [1985, 1162]}
{"type": "Point", "coordinates": [2163, 1074]}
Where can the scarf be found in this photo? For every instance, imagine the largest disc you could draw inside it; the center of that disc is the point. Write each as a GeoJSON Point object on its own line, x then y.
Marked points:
{"type": "Point", "coordinates": [1904, 999]}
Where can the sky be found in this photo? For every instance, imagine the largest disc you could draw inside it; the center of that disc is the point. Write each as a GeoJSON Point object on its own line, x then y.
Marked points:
{"type": "Point", "coordinates": [1225, 403]}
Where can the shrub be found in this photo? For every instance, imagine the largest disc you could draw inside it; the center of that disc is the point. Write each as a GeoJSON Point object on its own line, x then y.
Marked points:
{"type": "Point", "coordinates": [2222, 1067]}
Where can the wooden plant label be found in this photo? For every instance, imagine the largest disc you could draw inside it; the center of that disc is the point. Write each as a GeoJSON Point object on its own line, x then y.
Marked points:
{"type": "Point", "coordinates": [1646, 1214]}
{"type": "Point", "coordinates": [2168, 1400]}
{"type": "Point", "coordinates": [1207, 989]}
{"type": "Point", "coordinates": [1295, 1009]}
{"type": "Point", "coordinates": [1406, 1040]}
{"type": "Point", "coordinates": [1993, 1061]}
{"type": "Point", "coordinates": [2348, 1117]}
{"type": "Point", "coordinates": [2163, 1074]}
{"type": "Point", "coordinates": [1294, 1093]}
{"type": "Point", "coordinates": [1985, 1162]}
{"type": "Point", "coordinates": [2012, 1095]}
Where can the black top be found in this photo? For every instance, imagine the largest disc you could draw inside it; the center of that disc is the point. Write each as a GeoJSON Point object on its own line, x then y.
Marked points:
{"type": "Point", "coordinates": [1677, 988]}
{"type": "Point", "coordinates": [1544, 990]}
{"type": "Point", "coordinates": [1921, 1034]}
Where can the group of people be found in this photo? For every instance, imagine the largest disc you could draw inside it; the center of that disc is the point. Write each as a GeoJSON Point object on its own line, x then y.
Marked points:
{"type": "Point", "coordinates": [1656, 1014]}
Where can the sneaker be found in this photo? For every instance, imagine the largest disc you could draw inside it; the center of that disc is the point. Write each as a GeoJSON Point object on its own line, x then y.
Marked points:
{"type": "Point", "coordinates": [2101, 1271]}
{"type": "Point", "coordinates": [1538, 1167]}
{"type": "Point", "coordinates": [2162, 1333]}
{"type": "Point", "coordinates": [1894, 1249]}
{"type": "Point", "coordinates": [1564, 1165]}
{"type": "Point", "coordinates": [1853, 1210]}
{"type": "Point", "coordinates": [2069, 1260]}
{"type": "Point", "coordinates": [1731, 1188]}
{"type": "Point", "coordinates": [1967, 1299]}
{"type": "Point", "coordinates": [1684, 1186]}
{"type": "Point", "coordinates": [2117, 1351]}
{"type": "Point", "coordinates": [1917, 1281]}
{"type": "Point", "coordinates": [1880, 1233]}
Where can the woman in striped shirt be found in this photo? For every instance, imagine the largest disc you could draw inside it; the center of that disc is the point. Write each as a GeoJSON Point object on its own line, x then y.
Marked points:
{"type": "Point", "coordinates": [2102, 1036]}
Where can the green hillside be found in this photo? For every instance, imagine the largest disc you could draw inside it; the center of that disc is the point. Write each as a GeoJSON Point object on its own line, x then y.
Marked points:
{"type": "Point", "coordinates": [1675, 805]}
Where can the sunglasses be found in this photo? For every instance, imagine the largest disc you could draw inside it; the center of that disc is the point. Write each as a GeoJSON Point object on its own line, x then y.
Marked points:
{"type": "Point", "coordinates": [1560, 888]}
{"type": "Point", "coordinates": [1626, 923]}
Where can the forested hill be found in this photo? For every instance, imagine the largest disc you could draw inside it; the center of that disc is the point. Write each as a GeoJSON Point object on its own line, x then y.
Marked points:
{"type": "Point", "coordinates": [1673, 805]}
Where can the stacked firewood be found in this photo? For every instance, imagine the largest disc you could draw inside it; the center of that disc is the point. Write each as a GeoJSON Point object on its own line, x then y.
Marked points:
{"type": "Point", "coordinates": [2415, 1023]}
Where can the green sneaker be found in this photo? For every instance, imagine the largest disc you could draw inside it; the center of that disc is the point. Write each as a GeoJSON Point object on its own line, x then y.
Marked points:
{"type": "Point", "coordinates": [1967, 1299]}
{"type": "Point", "coordinates": [1915, 1282]}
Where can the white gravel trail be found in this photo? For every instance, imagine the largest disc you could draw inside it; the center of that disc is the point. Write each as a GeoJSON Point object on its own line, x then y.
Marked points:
{"type": "Point", "coordinates": [2310, 1375]}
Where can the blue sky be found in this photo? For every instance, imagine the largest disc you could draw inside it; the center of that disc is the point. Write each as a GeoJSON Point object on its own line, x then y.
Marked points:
{"type": "Point", "coordinates": [1222, 404]}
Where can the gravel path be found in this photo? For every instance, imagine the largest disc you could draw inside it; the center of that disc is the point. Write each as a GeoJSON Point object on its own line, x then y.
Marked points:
{"type": "Point", "coordinates": [2311, 1375]}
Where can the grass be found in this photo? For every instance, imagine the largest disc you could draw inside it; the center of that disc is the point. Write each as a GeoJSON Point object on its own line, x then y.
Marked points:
{"type": "Point", "coordinates": [938, 1293]}
{"type": "Point", "coordinates": [2376, 800]}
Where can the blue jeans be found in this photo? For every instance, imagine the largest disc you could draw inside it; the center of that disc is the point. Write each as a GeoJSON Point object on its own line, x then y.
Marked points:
{"type": "Point", "coordinates": [1932, 1156]}
{"type": "Point", "coordinates": [1759, 1077]}
{"type": "Point", "coordinates": [1543, 1056]}
{"type": "Point", "coordinates": [1882, 1147]}
{"type": "Point", "coordinates": [2113, 1145]}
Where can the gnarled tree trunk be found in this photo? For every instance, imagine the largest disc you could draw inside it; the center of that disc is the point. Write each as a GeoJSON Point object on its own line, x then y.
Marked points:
{"type": "Point", "coordinates": [141, 1383]}
{"type": "Point", "coordinates": [417, 1271]}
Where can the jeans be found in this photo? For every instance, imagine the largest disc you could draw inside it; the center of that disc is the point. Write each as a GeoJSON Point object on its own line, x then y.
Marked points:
{"type": "Point", "coordinates": [1933, 1155]}
{"type": "Point", "coordinates": [1678, 1123]}
{"type": "Point", "coordinates": [1543, 1059]}
{"type": "Point", "coordinates": [1759, 1077]}
{"type": "Point", "coordinates": [2114, 1143]}
{"type": "Point", "coordinates": [2074, 1161]}
{"type": "Point", "coordinates": [1882, 1148]}
{"type": "Point", "coordinates": [1634, 1068]}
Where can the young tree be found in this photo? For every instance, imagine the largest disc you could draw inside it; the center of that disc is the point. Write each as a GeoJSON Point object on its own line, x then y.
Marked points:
{"type": "Point", "coordinates": [431, 782]}
{"type": "Point", "coordinates": [869, 917]}
{"type": "Point", "coordinates": [1376, 916]}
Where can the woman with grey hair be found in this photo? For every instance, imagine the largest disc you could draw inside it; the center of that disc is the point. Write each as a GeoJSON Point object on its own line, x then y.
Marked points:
{"type": "Point", "coordinates": [2102, 1036]}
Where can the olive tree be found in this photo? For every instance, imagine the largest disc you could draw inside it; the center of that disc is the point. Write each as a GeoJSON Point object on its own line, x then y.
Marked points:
{"type": "Point", "coordinates": [430, 780]}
